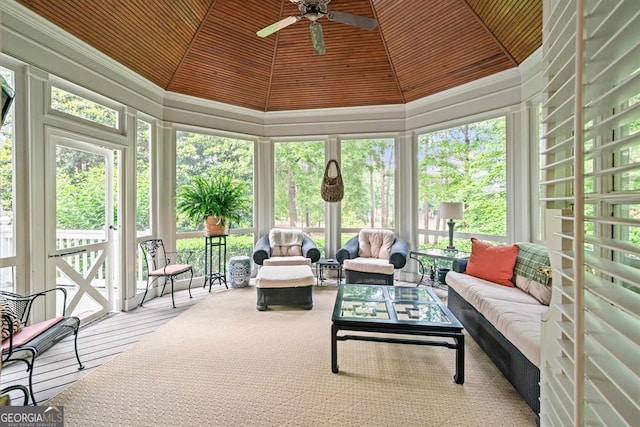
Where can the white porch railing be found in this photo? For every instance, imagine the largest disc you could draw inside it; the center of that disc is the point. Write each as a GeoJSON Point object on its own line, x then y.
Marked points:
{"type": "Point", "coordinates": [81, 262]}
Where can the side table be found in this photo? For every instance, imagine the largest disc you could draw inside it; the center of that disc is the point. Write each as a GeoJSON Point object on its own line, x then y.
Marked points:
{"type": "Point", "coordinates": [431, 257]}
{"type": "Point", "coordinates": [328, 264]}
{"type": "Point", "coordinates": [219, 245]}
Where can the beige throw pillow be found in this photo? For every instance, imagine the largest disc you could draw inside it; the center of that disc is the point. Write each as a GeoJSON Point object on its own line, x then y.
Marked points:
{"type": "Point", "coordinates": [537, 290]}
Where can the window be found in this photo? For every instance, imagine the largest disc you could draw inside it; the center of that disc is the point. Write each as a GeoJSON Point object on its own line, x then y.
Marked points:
{"type": "Point", "coordinates": [202, 154]}
{"type": "Point", "coordinates": [77, 106]}
{"type": "Point", "coordinates": [463, 164]}
{"type": "Point", "coordinates": [143, 178]}
{"type": "Point", "coordinates": [7, 194]}
{"type": "Point", "coordinates": [368, 171]}
{"type": "Point", "coordinates": [298, 171]}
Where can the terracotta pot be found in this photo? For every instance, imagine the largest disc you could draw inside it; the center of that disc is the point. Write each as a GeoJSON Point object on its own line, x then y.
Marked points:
{"type": "Point", "coordinates": [212, 228]}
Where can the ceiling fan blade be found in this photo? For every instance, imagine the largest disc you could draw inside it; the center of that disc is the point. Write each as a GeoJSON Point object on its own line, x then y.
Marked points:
{"type": "Point", "coordinates": [351, 19]}
{"type": "Point", "coordinates": [317, 38]}
{"type": "Point", "coordinates": [276, 26]}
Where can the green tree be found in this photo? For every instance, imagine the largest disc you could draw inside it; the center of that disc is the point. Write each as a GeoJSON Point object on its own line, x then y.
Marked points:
{"type": "Point", "coordinates": [464, 164]}
{"type": "Point", "coordinates": [299, 167]}
{"type": "Point", "coordinates": [368, 172]}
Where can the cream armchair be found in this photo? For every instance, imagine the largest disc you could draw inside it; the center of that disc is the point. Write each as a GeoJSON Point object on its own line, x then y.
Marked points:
{"type": "Point", "coordinates": [372, 256]}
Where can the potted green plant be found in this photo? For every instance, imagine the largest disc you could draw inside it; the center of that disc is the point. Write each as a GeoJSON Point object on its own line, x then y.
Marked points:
{"type": "Point", "coordinates": [215, 199]}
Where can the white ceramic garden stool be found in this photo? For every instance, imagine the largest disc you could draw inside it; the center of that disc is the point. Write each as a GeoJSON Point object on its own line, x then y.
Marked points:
{"type": "Point", "coordinates": [239, 271]}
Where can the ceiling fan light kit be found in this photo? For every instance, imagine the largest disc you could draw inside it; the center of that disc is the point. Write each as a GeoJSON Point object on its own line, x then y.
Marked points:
{"type": "Point", "coordinates": [313, 10]}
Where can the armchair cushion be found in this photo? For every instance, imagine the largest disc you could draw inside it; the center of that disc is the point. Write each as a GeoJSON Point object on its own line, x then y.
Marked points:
{"type": "Point", "coordinates": [285, 237]}
{"type": "Point", "coordinates": [285, 242]}
{"type": "Point", "coordinates": [263, 249]}
{"type": "Point", "coordinates": [287, 260]}
{"type": "Point", "coordinates": [374, 243]}
{"type": "Point", "coordinates": [397, 255]}
{"type": "Point", "coordinates": [369, 265]}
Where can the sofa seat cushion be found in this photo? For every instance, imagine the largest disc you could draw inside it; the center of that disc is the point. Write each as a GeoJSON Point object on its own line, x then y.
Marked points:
{"type": "Point", "coordinates": [289, 276]}
{"type": "Point", "coordinates": [513, 312]}
{"type": "Point", "coordinates": [287, 260]}
{"type": "Point", "coordinates": [476, 290]}
{"type": "Point", "coordinates": [519, 323]}
{"type": "Point", "coordinates": [369, 265]}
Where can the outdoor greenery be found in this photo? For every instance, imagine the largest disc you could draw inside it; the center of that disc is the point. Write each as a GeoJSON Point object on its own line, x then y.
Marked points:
{"type": "Point", "coordinates": [69, 103]}
{"type": "Point", "coordinates": [6, 157]}
{"type": "Point", "coordinates": [299, 167]}
{"type": "Point", "coordinates": [464, 164]}
{"type": "Point", "coordinates": [205, 155]}
{"type": "Point", "coordinates": [368, 171]}
{"type": "Point", "coordinates": [214, 194]}
{"type": "Point", "coordinates": [143, 176]}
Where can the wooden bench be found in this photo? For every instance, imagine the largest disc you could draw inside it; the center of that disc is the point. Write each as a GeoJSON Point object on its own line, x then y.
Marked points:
{"type": "Point", "coordinates": [28, 342]}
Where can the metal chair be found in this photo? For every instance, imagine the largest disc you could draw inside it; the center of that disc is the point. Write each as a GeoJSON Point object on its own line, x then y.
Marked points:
{"type": "Point", "coordinates": [159, 265]}
{"type": "Point", "coordinates": [28, 342]}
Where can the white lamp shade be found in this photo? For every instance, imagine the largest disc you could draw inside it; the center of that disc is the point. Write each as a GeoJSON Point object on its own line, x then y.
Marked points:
{"type": "Point", "coordinates": [451, 210]}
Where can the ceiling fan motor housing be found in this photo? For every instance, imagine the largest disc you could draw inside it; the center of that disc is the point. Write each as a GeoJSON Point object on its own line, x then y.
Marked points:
{"type": "Point", "coordinates": [313, 9]}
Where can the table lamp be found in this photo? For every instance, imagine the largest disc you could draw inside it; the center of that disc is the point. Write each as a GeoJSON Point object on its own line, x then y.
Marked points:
{"type": "Point", "coordinates": [451, 211]}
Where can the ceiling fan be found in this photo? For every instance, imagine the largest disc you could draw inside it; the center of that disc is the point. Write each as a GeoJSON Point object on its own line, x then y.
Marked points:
{"type": "Point", "coordinates": [314, 10]}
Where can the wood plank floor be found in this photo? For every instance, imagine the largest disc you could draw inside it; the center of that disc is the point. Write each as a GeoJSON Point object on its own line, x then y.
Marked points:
{"type": "Point", "coordinates": [98, 342]}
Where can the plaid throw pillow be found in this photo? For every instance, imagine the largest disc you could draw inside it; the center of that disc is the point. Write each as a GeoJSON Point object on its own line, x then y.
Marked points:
{"type": "Point", "coordinates": [14, 323]}
{"type": "Point", "coordinates": [530, 257]}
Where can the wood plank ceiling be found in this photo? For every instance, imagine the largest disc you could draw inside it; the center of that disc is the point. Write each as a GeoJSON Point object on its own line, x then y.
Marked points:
{"type": "Point", "coordinates": [209, 48]}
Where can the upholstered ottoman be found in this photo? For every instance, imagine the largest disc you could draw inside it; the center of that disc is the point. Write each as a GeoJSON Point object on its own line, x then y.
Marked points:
{"type": "Point", "coordinates": [239, 271]}
{"type": "Point", "coordinates": [285, 285]}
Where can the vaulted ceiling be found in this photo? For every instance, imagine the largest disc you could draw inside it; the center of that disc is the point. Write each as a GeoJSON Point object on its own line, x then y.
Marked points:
{"type": "Point", "coordinates": [209, 48]}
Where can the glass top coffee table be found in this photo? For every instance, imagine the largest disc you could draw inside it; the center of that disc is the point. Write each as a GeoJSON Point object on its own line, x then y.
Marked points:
{"type": "Point", "coordinates": [388, 310]}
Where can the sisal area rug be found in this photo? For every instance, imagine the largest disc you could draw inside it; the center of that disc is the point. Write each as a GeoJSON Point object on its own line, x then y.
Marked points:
{"type": "Point", "coordinates": [224, 363]}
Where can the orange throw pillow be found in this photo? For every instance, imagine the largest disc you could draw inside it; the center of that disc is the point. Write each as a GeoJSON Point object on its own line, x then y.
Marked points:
{"type": "Point", "coordinates": [492, 263]}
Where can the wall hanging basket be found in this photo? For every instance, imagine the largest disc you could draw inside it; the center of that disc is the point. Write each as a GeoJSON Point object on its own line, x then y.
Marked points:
{"type": "Point", "coordinates": [332, 188]}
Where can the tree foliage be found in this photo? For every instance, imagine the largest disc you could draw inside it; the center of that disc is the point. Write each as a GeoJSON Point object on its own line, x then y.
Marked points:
{"type": "Point", "coordinates": [465, 164]}
{"type": "Point", "coordinates": [201, 155]}
{"type": "Point", "coordinates": [299, 167]}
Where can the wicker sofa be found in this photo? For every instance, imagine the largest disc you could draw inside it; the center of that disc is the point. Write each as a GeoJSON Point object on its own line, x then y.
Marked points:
{"type": "Point", "coordinates": [506, 321]}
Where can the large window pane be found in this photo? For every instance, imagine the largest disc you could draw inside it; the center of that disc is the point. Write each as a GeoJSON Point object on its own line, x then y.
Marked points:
{"type": "Point", "coordinates": [7, 181]}
{"type": "Point", "coordinates": [201, 155]}
{"type": "Point", "coordinates": [143, 177]}
{"type": "Point", "coordinates": [299, 167]}
{"type": "Point", "coordinates": [368, 170]}
{"type": "Point", "coordinates": [463, 164]}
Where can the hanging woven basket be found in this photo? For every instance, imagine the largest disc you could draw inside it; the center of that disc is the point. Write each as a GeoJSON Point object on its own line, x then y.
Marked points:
{"type": "Point", "coordinates": [332, 188]}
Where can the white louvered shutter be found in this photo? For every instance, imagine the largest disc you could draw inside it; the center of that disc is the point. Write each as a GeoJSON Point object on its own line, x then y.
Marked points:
{"type": "Point", "coordinates": [590, 372]}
